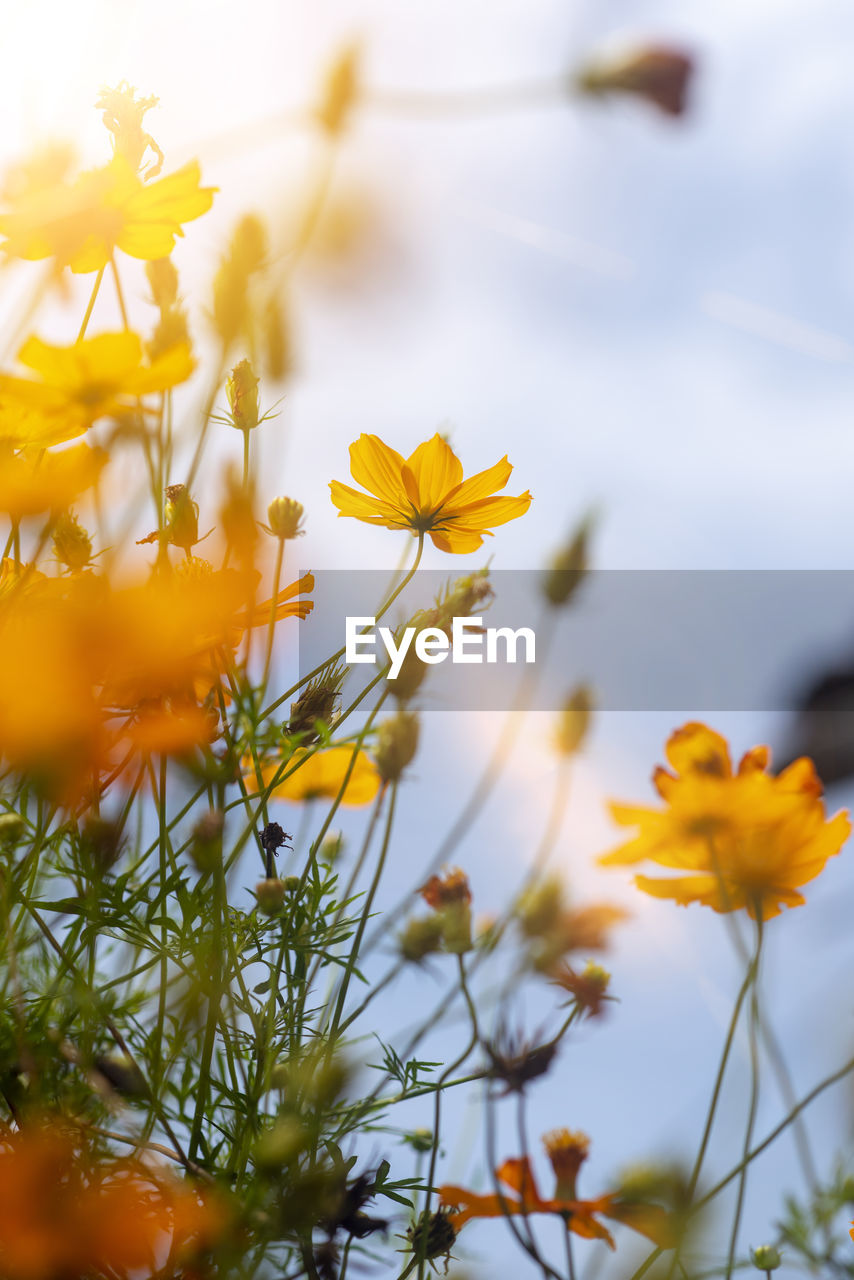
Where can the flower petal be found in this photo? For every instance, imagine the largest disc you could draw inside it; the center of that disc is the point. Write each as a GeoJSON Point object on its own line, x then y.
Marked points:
{"type": "Point", "coordinates": [377, 468]}
{"type": "Point", "coordinates": [481, 485]}
{"type": "Point", "coordinates": [436, 470]}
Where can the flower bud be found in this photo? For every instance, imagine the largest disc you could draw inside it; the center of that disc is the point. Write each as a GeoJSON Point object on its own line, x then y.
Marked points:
{"type": "Point", "coordinates": [280, 1144]}
{"type": "Point", "coordinates": [284, 516]}
{"type": "Point", "coordinates": [409, 678]}
{"type": "Point", "coordinates": [278, 341]}
{"type": "Point", "coordinates": [318, 701]}
{"type": "Point", "coordinates": [182, 517]}
{"type": "Point", "coordinates": [12, 827]}
{"type": "Point", "coordinates": [574, 721]}
{"type": "Point", "coordinates": [170, 330]}
{"type": "Point", "coordinates": [397, 743]}
{"type": "Point", "coordinates": [567, 1151]}
{"type": "Point", "coordinates": [450, 897]}
{"type": "Point", "coordinates": [206, 843]}
{"type": "Point", "coordinates": [420, 1140]}
{"type": "Point", "coordinates": [331, 847]}
{"type": "Point", "coordinates": [163, 282]}
{"type": "Point", "coordinates": [270, 895]}
{"type": "Point", "coordinates": [421, 937]}
{"type": "Point", "coordinates": [72, 545]}
{"type": "Point", "coordinates": [766, 1258]}
{"type": "Point", "coordinates": [589, 989]}
{"type": "Point", "coordinates": [242, 392]}
{"type": "Point", "coordinates": [656, 73]}
{"type": "Point", "coordinates": [568, 568]}
{"type": "Point", "coordinates": [340, 91]}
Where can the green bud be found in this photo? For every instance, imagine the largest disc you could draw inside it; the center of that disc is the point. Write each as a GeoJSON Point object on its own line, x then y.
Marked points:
{"type": "Point", "coordinates": [72, 545]}
{"type": "Point", "coordinates": [270, 895]}
{"type": "Point", "coordinates": [182, 517]}
{"type": "Point", "coordinates": [766, 1258]}
{"type": "Point", "coordinates": [284, 516]}
{"type": "Point", "coordinates": [568, 568]}
{"type": "Point", "coordinates": [242, 392]}
{"type": "Point", "coordinates": [397, 743]}
{"type": "Point", "coordinates": [574, 721]}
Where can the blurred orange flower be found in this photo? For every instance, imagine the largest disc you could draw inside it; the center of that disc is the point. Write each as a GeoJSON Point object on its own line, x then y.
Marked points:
{"type": "Point", "coordinates": [426, 493]}
{"type": "Point", "coordinates": [32, 482]}
{"type": "Point", "coordinates": [77, 384]}
{"type": "Point", "coordinates": [63, 1214]}
{"type": "Point", "coordinates": [82, 222]}
{"type": "Point", "coordinates": [580, 1216]}
{"type": "Point", "coordinates": [749, 838]}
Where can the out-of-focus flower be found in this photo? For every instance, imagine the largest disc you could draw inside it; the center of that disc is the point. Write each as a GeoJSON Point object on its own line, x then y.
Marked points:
{"type": "Point", "coordinates": [569, 568]}
{"type": "Point", "coordinates": [552, 928]}
{"type": "Point", "coordinates": [123, 115]}
{"type": "Point", "coordinates": [340, 91]}
{"type": "Point", "coordinates": [574, 723]}
{"type": "Point", "coordinates": [748, 839]}
{"type": "Point", "coordinates": [397, 742]}
{"type": "Point", "coordinates": [72, 545]}
{"type": "Point", "coordinates": [589, 988]}
{"type": "Point", "coordinates": [81, 223]}
{"type": "Point", "coordinates": [767, 1257]}
{"type": "Point", "coordinates": [285, 518]}
{"type": "Point", "coordinates": [320, 774]}
{"type": "Point", "coordinates": [77, 384]}
{"type": "Point", "coordinates": [516, 1062]}
{"type": "Point", "coordinates": [580, 1216]}
{"type": "Point", "coordinates": [32, 483]}
{"type": "Point", "coordinates": [426, 493]}
{"type": "Point", "coordinates": [64, 1214]}
{"type": "Point", "coordinates": [450, 897]}
{"type": "Point", "coordinates": [658, 73]}
{"type": "Point", "coordinates": [244, 258]}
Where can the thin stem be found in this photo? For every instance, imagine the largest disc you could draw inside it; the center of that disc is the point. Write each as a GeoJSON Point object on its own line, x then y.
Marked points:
{"type": "Point", "coordinates": [90, 306]}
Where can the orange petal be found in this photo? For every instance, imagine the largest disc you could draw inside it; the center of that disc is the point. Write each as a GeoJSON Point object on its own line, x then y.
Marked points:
{"type": "Point", "coordinates": [481, 485]}
{"type": "Point", "coordinates": [697, 749]}
{"type": "Point", "coordinates": [377, 468]}
{"type": "Point", "coordinates": [435, 470]}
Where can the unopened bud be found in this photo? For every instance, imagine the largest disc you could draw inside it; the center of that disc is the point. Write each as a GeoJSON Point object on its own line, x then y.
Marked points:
{"type": "Point", "coordinates": [280, 1144]}
{"type": "Point", "coordinates": [766, 1258]}
{"type": "Point", "coordinates": [72, 545]}
{"type": "Point", "coordinates": [163, 282]}
{"type": "Point", "coordinates": [278, 342]}
{"type": "Point", "coordinates": [206, 844]}
{"type": "Point", "coordinates": [182, 517]}
{"type": "Point", "coordinates": [568, 568]}
{"type": "Point", "coordinates": [397, 743]}
{"type": "Point", "coordinates": [242, 392]}
{"type": "Point", "coordinates": [574, 721]}
{"type": "Point", "coordinates": [284, 516]}
{"type": "Point", "coordinates": [12, 827]}
{"type": "Point", "coordinates": [340, 91]}
{"type": "Point", "coordinates": [421, 937]}
{"type": "Point", "coordinates": [270, 895]}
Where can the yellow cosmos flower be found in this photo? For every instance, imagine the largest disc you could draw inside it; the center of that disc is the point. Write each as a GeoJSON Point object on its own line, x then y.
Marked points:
{"type": "Point", "coordinates": [87, 380]}
{"type": "Point", "coordinates": [320, 774]}
{"type": "Point", "coordinates": [747, 838]}
{"type": "Point", "coordinates": [426, 493]}
{"type": "Point", "coordinates": [81, 223]}
{"type": "Point", "coordinates": [32, 482]}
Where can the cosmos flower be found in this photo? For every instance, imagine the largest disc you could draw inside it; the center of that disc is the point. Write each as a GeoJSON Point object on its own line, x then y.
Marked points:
{"type": "Point", "coordinates": [75, 385]}
{"type": "Point", "coordinates": [32, 482]}
{"type": "Point", "coordinates": [81, 222]}
{"type": "Point", "coordinates": [316, 775]}
{"type": "Point", "coordinates": [426, 493]}
{"type": "Point", "coordinates": [747, 838]}
{"type": "Point", "coordinates": [566, 1152]}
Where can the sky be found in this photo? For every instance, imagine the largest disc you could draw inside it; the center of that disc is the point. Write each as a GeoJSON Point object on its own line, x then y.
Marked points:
{"type": "Point", "coordinates": [651, 318]}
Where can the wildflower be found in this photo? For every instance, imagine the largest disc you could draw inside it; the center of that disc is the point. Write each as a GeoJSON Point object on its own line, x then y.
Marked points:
{"type": "Point", "coordinates": [61, 1213]}
{"type": "Point", "coordinates": [31, 484]}
{"type": "Point", "coordinates": [567, 1152]}
{"type": "Point", "coordinates": [517, 1063]}
{"type": "Point", "coordinates": [432, 1236]}
{"type": "Point", "coordinates": [98, 377]}
{"type": "Point", "coordinates": [397, 742]}
{"type": "Point", "coordinates": [320, 774]}
{"type": "Point", "coordinates": [747, 839]}
{"type": "Point", "coordinates": [589, 989]}
{"type": "Point", "coordinates": [243, 259]}
{"type": "Point", "coordinates": [657, 72]}
{"type": "Point", "coordinates": [552, 928]}
{"type": "Point", "coordinates": [82, 222]}
{"type": "Point", "coordinates": [450, 896]}
{"type": "Point", "coordinates": [426, 493]}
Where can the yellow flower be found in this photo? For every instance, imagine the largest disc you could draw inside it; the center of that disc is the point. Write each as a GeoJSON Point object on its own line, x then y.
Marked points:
{"type": "Point", "coordinates": [81, 223]}
{"type": "Point", "coordinates": [320, 774]}
{"type": "Point", "coordinates": [76, 384]}
{"type": "Point", "coordinates": [426, 493]}
{"type": "Point", "coordinates": [31, 482]}
{"type": "Point", "coordinates": [748, 838]}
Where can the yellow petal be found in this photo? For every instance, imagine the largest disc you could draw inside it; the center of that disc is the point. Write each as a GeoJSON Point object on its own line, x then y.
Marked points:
{"type": "Point", "coordinates": [352, 503]}
{"type": "Point", "coordinates": [153, 214]}
{"type": "Point", "coordinates": [456, 542]}
{"type": "Point", "coordinates": [436, 470]}
{"type": "Point", "coordinates": [487, 512]}
{"type": "Point", "coordinates": [695, 748]}
{"type": "Point", "coordinates": [377, 468]}
{"type": "Point", "coordinates": [168, 370]}
{"type": "Point", "coordinates": [481, 485]}
{"type": "Point", "coordinates": [321, 773]}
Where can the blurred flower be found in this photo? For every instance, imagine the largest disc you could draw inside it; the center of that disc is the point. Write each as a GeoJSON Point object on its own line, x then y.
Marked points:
{"type": "Point", "coordinates": [33, 482]}
{"type": "Point", "coordinates": [244, 258]}
{"type": "Point", "coordinates": [242, 392]}
{"type": "Point", "coordinates": [568, 568]}
{"type": "Point", "coordinates": [340, 91]}
{"type": "Point", "coordinates": [82, 223]}
{"type": "Point", "coordinates": [657, 72]}
{"type": "Point", "coordinates": [123, 114]}
{"type": "Point", "coordinates": [574, 723]}
{"type": "Point", "coordinates": [580, 1216]}
{"type": "Point", "coordinates": [100, 376]}
{"type": "Point", "coordinates": [426, 493]}
{"type": "Point", "coordinates": [749, 839]}
{"type": "Point", "coordinates": [589, 989]}
{"type": "Point", "coordinates": [72, 545]}
{"type": "Point", "coordinates": [768, 1258]}
{"type": "Point", "coordinates": [320, 774]}
{"type": "Point", "coordinates": [397, 742]}
{"type": "Point", "coordinates": [516, 1062]}
{"type": "Point", "coordinates": [552, 928]}
{"type": "Point", "coordinates": [63, 1214]}
{"type": "Point", "coordinates": [450, 896]}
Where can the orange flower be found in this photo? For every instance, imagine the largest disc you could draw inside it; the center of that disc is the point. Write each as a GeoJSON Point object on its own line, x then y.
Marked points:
{"type": "Point", "coordinates": [749, 839]}
{"type": "Point", "coordinates": [77, 384]}
{"type": "Point", "coordinates": [580, 1216]}
{"type": "Point", "coordinates": [81, 223]}
{"type": "Point", "coordinates": [32, 482]}
{"type": "Point", "coordinates": [63, 1214]}
{"type": "Point", "coordinates": [426, 493]}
